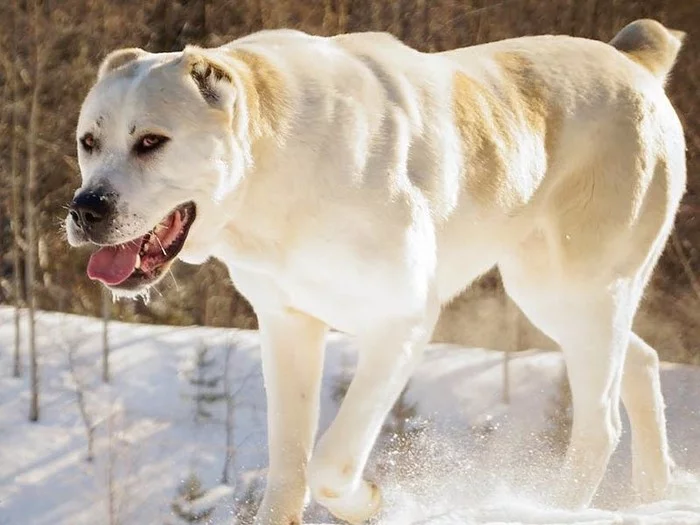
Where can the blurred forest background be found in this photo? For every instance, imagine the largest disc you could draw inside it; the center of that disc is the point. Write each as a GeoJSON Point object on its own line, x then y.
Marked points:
{"type": "Point", "coordinates": [49, 53]}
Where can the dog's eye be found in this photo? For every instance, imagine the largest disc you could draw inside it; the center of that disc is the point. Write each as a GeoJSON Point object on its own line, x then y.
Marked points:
{"type": "Point", "coordinates": [88, 142]}
{"type": "Point", "coordinates": [149, 143]}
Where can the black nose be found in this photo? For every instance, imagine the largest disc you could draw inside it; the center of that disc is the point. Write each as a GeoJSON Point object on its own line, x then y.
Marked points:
{"type": "Point", "coordinates": [91, 208]}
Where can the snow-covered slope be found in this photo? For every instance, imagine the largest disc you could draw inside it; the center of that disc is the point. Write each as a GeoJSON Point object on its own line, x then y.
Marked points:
{"type": "Point", "coordinates": [480, 461]}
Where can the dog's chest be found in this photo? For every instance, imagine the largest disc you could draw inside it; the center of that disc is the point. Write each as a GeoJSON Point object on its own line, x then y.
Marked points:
{"type": "Point", "coordinates": [335, 284]}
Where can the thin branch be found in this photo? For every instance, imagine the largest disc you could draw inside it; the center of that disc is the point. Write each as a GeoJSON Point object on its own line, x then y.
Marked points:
{"type": "Point", "coordinates": [689, 209]}
{"type": "Point", "coordinates": [71, 161]}
{"type": "Point", "coordinates": [19, 241]}
{"type": "Point", "coordinates": [16, 197]}
{"type": "Point", "coordinates": [87, 418]}
{"type": "Point", "coordinates": [683, 258]}
{"type": "Point", "coordinates": [30, 214]}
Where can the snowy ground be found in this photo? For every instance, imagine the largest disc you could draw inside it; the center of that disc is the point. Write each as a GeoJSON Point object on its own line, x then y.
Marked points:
{"type": "Point", "coordinates": [482, 461]}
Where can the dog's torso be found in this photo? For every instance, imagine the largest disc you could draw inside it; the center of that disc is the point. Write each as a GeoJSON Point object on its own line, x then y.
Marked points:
{"type": "Point", "coordinates": [403, 175]}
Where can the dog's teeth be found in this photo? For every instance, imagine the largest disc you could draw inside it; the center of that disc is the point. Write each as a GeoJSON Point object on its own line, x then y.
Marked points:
{"type": "Point", "coordinates": [138, 261]}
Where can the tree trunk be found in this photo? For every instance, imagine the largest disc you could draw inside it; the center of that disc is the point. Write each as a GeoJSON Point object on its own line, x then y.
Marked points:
{"type": "Point", "coordinates": [328, 17]}
{"type": "Point", "coordinates": [203, 16]}
{"type": "Point", "coordinates": [29, 213]}
{"type": "Point", "coordinates": [106, 314]}
{"type": "Point", "coordinates": [342, 16]}
{"type": "Point", "coordinates": [513, 321]}
{"type": "Point", "coordinates": [81, 400]}
{"type": "Point", "coordinates": [230, 420]}
{"type": "Point", "coordinates": [376, 16]}
{"type": "Point", "coordinates": [111, 463]}
{"type": "Point", "coordinates": [16, 229]}
{"type": "Point", "coordinates": [395, 27]}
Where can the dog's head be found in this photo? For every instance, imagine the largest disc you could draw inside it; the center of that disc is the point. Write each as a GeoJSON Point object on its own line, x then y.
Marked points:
{"type": "Point", "coordinates": [162, 141]}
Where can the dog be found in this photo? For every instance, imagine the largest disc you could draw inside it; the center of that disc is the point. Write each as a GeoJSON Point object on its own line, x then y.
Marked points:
{"type": "Point", "coordinates": [353, 182]}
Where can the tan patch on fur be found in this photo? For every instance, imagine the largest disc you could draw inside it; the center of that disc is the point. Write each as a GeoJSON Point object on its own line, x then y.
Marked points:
{"type": "Point", "coordinates": [119, 58]}
{"type": "Point", "coordinates": [480, 121]}
{"type": "Point", "coordinates": [265, 94]}
{"type": "Point", "coordinates": [328, 493]}
{"type": "Point", "coordinates": [526, 95]}
{"type": "Point", "coordinates": [488, 127]}
{"type": "Point", "coordinates": [529, 98]}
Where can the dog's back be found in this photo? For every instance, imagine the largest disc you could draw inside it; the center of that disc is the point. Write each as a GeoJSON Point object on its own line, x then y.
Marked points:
{"type": "Point", "coordinates": [593, 149]}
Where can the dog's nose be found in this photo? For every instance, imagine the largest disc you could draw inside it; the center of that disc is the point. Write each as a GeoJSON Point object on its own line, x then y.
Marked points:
{"type": "Point", "coordinates": [91, 208]}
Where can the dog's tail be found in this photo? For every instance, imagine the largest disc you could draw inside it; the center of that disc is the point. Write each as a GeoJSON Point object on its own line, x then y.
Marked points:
{"type": "Point", "coordinates": [651, 45]}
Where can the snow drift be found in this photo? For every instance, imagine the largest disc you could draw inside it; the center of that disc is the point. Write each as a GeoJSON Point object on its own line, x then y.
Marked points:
{"type": "Point", "coordinates": [475, 459]}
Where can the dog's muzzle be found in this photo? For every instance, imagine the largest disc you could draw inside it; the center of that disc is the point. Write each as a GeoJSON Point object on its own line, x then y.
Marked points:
{"type": "Point", "coordinates": [93, 212]}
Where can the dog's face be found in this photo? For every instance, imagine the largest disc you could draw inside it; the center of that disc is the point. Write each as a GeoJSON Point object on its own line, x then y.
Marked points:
{"type": "Point", "coordinates": [158, 155]}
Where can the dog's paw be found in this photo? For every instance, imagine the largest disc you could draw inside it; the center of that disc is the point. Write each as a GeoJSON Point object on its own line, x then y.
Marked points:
{"type": "Point", "coordinates": [355, 508]}
{"type": "Point", "coordinates": [271, 518]}
{"type": "Point", "coordinates": [282, 505]}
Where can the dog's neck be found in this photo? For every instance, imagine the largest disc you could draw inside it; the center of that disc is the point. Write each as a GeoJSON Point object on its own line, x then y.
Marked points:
{"type": "Point", "coordinates": [250, 237]}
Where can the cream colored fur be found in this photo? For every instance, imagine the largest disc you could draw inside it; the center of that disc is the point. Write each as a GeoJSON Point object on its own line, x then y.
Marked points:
{"type": "Point", "coordinates": [355, 183]}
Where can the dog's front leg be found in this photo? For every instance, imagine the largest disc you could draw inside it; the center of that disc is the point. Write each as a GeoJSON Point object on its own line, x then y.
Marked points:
{"type": "Point", "coordinates": [388, 357]}
{"type": "Point", "coordinates": [292, 357]}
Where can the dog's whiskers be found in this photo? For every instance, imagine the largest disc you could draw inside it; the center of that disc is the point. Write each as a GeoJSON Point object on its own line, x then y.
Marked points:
{"type": "Point", "coordinates": [172, 275]}
{"type": "Point", "coordinates": [157, 290]}
{"type": "Point", "coordinates": [161, 245]}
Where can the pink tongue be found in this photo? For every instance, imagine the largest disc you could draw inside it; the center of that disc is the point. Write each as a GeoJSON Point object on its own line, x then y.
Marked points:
{"type": "Point", "coordinates": [114, 264]}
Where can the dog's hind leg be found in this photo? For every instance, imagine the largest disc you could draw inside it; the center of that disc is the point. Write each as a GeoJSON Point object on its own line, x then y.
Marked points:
{"type": "Point", "coordinates": [591, 321]}
{"type": "Point", "coordinates": [643, 401]}
{"type": "Point", "coordinates": [641, 395]}
{"type": "Point", "coordinates": [594, 342]}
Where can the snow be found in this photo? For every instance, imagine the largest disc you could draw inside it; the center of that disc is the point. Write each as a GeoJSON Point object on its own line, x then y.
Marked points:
{"type": "Point", "coordinates": [480, 461]}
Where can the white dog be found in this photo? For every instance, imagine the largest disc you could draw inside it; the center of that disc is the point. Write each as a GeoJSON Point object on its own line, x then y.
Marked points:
{"type": "Point", "coordinates": [353, 182]}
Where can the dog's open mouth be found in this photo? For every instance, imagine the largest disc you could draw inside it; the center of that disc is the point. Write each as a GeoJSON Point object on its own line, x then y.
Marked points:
{"type": "Point", "coordinates": [141, 261]}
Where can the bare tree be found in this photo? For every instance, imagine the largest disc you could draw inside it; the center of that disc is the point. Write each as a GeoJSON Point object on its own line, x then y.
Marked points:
{"type": "Point", "coordinates": [342, 16]}
{"type": "Point", "coordinates": [87, 418]}
{"type": "Point", "coordinates": [513, 327]}
{"type": "Point", "coordinates": [106, 314]}
{"type": "Point", "coordinates": [120, 464]}
{"type": "Point", "coordinates": [16, 229]}
{"type": "Point", "coordinates": [206, 386]}
{"type": "Point", "coordinates": [111, 462]}
{"type": "Point", "coordinates": [230, 408]}
{"type": "Point", "coordinates": [30, 214]}
{"type": "Point", "coordinates": [328, 16]}
{"type": "Point", "coordinates": [395, 24]}
{"type": "Point", "coordinates": [685, 263]}
{"type": "Point", "coordinates": [335, 16]}
{"type": "Point", "coordinates": [376, 16]}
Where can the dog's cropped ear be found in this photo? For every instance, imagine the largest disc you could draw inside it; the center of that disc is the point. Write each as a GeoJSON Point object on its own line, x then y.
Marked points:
{"type": "Point", "coordinates": [212, 78]}
{"type": "Point", "coordinates": [119, 58]}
